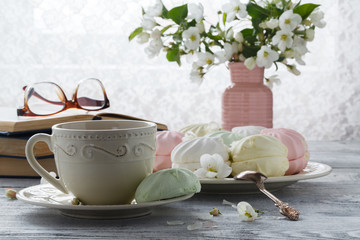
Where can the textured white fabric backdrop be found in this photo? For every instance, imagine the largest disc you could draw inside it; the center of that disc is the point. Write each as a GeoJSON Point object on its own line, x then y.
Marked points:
{"type": "Point", "coordinates": [68, 40]}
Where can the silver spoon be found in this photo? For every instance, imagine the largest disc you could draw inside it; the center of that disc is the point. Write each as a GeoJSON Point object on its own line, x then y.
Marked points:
{"type": "Point", "coordinates": [258, 179]}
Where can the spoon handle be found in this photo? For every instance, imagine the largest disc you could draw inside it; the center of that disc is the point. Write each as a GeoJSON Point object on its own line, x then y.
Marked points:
{"type": "Point", "coordinates": [285, 209]}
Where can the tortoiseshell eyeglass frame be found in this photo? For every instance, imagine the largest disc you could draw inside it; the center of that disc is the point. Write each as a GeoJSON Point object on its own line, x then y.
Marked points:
{"type": "Point", "coordinates": [73, 103]}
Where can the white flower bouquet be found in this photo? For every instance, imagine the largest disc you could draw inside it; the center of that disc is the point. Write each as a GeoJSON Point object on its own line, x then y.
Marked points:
{"type": "Point", "coordinates": [260, 33]}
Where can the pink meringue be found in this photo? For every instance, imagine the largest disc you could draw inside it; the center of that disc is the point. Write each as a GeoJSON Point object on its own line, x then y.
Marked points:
{"type": "Point", "coordinates": [166, 141]}
{"type": "Point", "coordinates": [298, 154]}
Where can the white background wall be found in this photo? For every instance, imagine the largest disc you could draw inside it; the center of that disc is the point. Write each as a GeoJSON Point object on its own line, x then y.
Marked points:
{"type": "Point", "coordinates": [68, 40]}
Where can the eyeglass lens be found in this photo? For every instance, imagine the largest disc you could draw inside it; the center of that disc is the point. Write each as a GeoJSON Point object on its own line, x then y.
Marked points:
{"type": "Point", "coordinates": [45, 98]}
{"type": "Point", "coordinates": [90, 95]}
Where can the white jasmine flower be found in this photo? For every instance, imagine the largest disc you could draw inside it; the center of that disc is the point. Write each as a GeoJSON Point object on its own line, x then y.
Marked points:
{"type": "Point", "coordinates": [293, 69]}
{"type": "Point", "coordinates": [156, 34]}
{"type": "Point", "coordinates": [154, 48]}
{"type": "Point", "coordinates": [246, 212]}
{"type": "Point", "coordinates": [299, 49]}
{"type": "Point", "coordinates": [201, 27]}
{"type": "Point", "coordinates": [205, 58]}
{"type": "Point", "coordinates": [148, 22]}
{"type": "Point", "coordinates": [213, 166]}
{"type": "Point", "coordinates": [309, 34]}
{"type": "Point", "coordinates": [156, 10]}
{"type": "Point", "coordinates": [230, 49]}
{"type": "Point", "coordinates": [317, 18]}
{"type": "Point", "coordinates": [271, 23]}
{"type": "Point", "coordinates": [299, 45]}
{"type": "Point", "coordinates": [239, 37]}
{"type": "Point", "coordinates": [221, 56]}
{"type": "Point", "coordinates": [191, 38]}
{"type": "Point", "coordinates": [266, 56]}
{"type": "Point", "coordinates": [196, 77]}
{"type": "Point", "coordinates": [288, 21]}
{"type": "Point", "coordinates": [143, 37]}
{"type": "Point", "coordinates": [196, 11]}
{"type": "Point", "coordinates": [271, 80]}
{"type": "Point", "coordinates": [250, 63]}
{"type": "Point", "coordinates": [234, 9]}
{"type": "Point", "coordinates": [229, 34]}
{"type": "Point", "coordinates": [283, 39]}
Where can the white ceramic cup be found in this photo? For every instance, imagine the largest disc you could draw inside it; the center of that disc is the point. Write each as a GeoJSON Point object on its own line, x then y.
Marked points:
{"type": "Point", "coordinates": [99, 162]}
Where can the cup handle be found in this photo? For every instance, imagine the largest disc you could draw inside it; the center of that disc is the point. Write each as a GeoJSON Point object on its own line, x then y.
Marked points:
{"type": "Point", "coordinates": [29, 151]}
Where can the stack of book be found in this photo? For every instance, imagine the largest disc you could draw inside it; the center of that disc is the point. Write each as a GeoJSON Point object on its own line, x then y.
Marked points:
{"type": "Point", "coordinates": [15, 131]}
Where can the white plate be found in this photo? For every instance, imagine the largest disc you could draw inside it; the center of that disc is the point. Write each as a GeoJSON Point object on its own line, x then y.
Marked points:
{"type": "Point", "coordinates": [46, 195]}
{"type": "Point", "coordinates": [230, 185]}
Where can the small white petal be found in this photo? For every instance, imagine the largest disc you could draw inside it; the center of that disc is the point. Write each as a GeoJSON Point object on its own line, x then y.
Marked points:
{"type": "Point", "coordinates": [195, 226]}
{"type": "Point", "coordinates": [195, 11]}
{"type": "Point", "coordinates": [201, 173]}
{"type": "Point", "coordinates": [225, 202]}
{"type": "Point", "coordinates": [250, 63]}
{"type": "Point", "coordinates": [174, 223]}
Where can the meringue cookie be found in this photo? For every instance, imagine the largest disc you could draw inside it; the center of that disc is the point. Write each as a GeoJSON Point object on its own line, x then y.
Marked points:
{"type": "Point", "coordinates": [226, 136]}
{"type": "Point", "coordinates": [298, 154]}
{"type": "Point", "coordinates": [262, 153]}
{"type": "Point", "coordinates": [165, 143]}
{"type": "Point", "coordinates": [200, 130]}
{"type": "Point", "coordinates": [166, 184]}
{"type": "Point", "coordinates": [187, 154]}
{"type": "Point", "coordinates": [247, 130]}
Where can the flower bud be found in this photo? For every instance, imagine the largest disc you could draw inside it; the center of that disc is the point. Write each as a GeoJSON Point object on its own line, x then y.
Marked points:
{"type": "Point", "coordinates": [75, 201]}
{"type": "Point", "coordinates": [10, 193]}
{"type": "Point", "coordinates": [215, 212]}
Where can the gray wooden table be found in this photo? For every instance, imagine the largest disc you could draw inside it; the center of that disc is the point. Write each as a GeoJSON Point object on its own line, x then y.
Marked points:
{"type": "Point", "coordinates": [329, 206]}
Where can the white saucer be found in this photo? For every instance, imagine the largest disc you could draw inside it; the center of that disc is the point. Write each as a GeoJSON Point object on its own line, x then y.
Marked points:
{"type": "Point", "coordinates": [230, 185]}
{"type": "Point", "coordinates": [46, 195]}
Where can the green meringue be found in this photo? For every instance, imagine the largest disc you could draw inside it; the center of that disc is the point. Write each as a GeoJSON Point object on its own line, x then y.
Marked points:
{"type": "Point", "coordinates": [166, 184]}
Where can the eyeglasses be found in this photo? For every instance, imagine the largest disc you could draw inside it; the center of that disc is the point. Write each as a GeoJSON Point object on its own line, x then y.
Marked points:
{"type": "Point", "coordinates": [47, 98]}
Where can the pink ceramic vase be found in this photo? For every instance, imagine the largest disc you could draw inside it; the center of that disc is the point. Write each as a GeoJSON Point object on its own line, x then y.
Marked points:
{"type": "Point", "coordinates": [247, 102]}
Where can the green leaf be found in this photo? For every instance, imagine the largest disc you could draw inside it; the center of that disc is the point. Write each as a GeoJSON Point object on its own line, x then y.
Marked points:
{"type": "Point", "coordinates": [305, 10]}
{"type": "Point", "coordinates": [173, 55]}
{"type": "Point", "coordinates": [274, 11]}
{"type": "Point", "coordinates": [165, 28]}
{"type": "Point", "coordinates": [214, 37]}
{"type": "Point", "coordinates": [250, 51]}
{"type": "Point", "coordinates": [190, 24]}
{"type": "Point", "coordinates": [257, 12]}
{"type": "Point", "coordinates": [165, 12]}
{"type": "Point", "coordinates": [135, 33]}
{"type": "Point", "coordinates": [207, 48]}
{"type": "Point", "coordinates": [256, 22]}
{"type": "Point", "coordinates": [247, 32]}
{"type": "Point", "coordinates": [178, 14]}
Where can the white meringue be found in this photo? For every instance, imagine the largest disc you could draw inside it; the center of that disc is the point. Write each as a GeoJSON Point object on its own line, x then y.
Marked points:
{"type": "Point", "coordinates": [187, 154]}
